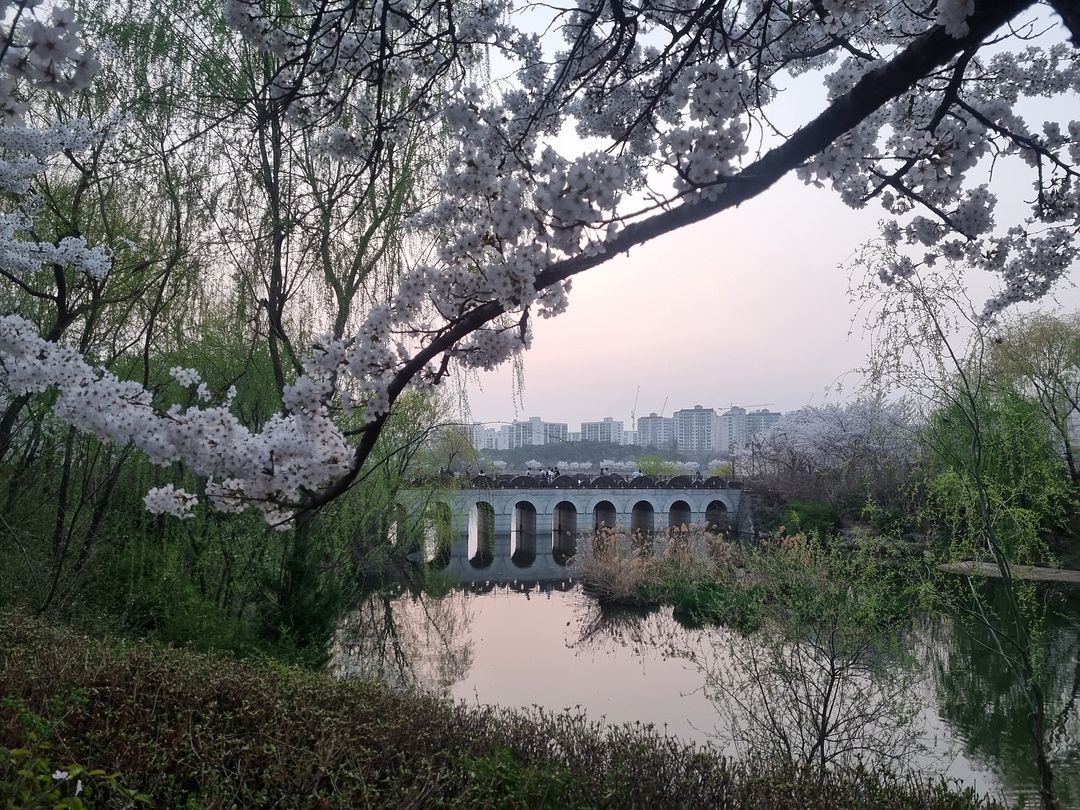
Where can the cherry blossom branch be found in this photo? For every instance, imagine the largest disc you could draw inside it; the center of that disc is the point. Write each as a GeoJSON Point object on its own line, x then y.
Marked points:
{"type": "Point", "coordinates": [928, 52]}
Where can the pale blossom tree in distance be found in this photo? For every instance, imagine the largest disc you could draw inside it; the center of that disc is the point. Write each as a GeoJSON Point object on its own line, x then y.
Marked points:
{"type": "Point", "coordinates": [675, 103]}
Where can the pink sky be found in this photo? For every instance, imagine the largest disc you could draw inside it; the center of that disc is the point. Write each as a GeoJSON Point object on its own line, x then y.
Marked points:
{"type": "Point", "coordinates": [749, 307]}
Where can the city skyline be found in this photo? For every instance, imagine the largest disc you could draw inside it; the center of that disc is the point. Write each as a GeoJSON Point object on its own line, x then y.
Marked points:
{"type": "Point", "coordinates": [689, 430]}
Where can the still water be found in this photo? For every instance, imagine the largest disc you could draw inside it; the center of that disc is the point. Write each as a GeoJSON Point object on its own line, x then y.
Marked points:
{"type": "Point", "coordinates": [947, 705]}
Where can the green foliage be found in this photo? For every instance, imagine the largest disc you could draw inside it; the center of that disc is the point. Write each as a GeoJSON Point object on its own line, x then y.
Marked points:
{"type": "Point", "coordinates": [808, 586]}
{"type": "Point", "coordinates": [885, 521]}
{"type": "Point", "coordinates": [497, 779]}
{"type": "Point", "coordinates": [656, 464]}
{"type": "Point", "coordinates": [724, 470]}
{"type": "Point", "coordinates": [305, 605]}
{"type": "Point", "coordinates": [75, 539]}
{"type": "Point", "coordinates": [1038, 357]}
{"type": "Point", "coordinates": [210, 732]}
{"type": "Point", "coordinates": [213, 582]}
{"type": "Point", "coordinates": [797, 582]}
{"type": "Point", "coordinates": [994, 467]}
{"type": "Point", "coordinates": [30, 778]}
{"type": "Point", "coordinates": [716, 602]}
{"type": "Point", "coordinates": [811, 517]}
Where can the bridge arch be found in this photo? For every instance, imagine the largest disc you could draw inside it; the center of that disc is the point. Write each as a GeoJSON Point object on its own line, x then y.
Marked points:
{"type": "Point", "coordinates": [564, 531]}
{"type": "Point", "coordinates": [437, 531]}
{"type": "Point", "coordinates": [523, 534]}
{"type": "Point", "coordinates": [604, 515]}
{"type": "Point", "coordinates": [643, 517]}
{"type": "Point", "coordinates": [717, 517]}
{"type": "Point", "coordinates": [680, 515]}
{"type": "Point", "coordinates": [481, 548]}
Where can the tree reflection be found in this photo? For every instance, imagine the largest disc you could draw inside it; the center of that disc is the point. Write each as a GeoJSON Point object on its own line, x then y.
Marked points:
{"type": "Point", "coordinates": [989, 708]}
{"type": "Point", "coordinates": [812, 700]}
{"type": "Point", "coordinates": [407, 641]}
{"type": "Point", "coordinates": [822, 684]}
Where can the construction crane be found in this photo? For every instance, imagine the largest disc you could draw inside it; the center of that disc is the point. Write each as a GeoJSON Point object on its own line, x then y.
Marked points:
{"type": "Point", "coordinates": [664, 408]}
{"type": "Point", "coordinates": [633, 411]}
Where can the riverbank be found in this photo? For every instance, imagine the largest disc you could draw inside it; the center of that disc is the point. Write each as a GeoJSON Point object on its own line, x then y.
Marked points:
{"type": "Point", "coordinates": [170, 727]}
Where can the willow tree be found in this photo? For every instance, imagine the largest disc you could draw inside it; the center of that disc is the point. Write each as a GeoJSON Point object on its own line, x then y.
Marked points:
{"type": "Point", "coordinates": [1039, 357]}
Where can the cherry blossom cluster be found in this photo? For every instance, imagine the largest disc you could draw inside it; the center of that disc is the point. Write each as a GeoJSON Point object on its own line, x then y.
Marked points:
{"type": "Point", "coordinates": [942, 133]}
{"type": "Point", "coordinates": [43, 48]}
{"type": "Point", "coordinates": [292, 454]}
{"type": "Point", "coordinates": [19, 257]}
{"type": "Point", "coordinates": [339, 53]}
{"type": "Point", "coordinates": [513, 206]}
{"type": "Point", "coordinates": [25, 151]}
{"type": "Point", "coordinates": [833, 437]}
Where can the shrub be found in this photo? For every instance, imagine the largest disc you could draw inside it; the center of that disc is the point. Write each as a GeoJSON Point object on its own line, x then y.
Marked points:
{"type": "Point", "coordinates": [211, 732]}
{"type": "Point", "coordinates": [811, 517]}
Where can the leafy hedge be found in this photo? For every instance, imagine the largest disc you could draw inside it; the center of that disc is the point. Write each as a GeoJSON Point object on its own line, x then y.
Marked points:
{"type": "Point", "coordinates": [202, 731]}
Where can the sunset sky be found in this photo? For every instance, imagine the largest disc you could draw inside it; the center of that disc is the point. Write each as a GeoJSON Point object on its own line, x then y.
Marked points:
{"type": "Point", "coordinates": [749, 307]}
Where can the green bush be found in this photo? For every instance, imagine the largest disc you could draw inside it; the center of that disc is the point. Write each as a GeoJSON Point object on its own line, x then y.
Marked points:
{"type": "Point", "coordinates": [712, 601]}
{"type": "Point", "coordinates": [496, 779]}
{"type": "Point", "coordinates": [209, 731]}
{"type": "Point", "coordinates": [811, 517]}
{"type": "Point", "coordinates": [29, 778]}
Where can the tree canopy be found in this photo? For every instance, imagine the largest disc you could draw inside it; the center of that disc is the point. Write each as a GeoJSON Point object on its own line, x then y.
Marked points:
{"type": "Point", "coordinates": [392, 212]}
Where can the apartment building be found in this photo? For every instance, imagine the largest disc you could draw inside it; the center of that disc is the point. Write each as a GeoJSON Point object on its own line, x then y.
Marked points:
{"type": "Point", "coordinates": [656, 431]}
{"type": "Point", "coordinates": [696, 429]}
{"type": "Point", "coordinates": [606, 430]}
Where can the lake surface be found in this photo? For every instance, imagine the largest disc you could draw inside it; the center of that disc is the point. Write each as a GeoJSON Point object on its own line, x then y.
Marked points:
{"type": "Point", "coordinates": [558, 649]}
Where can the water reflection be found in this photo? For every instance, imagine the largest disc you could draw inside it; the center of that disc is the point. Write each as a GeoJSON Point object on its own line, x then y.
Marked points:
{"type": "Point", "coordinates": [984, 702]}
{"type": "Point", "coordinates": [941, 701]}
{"type": "Point", "coordinates": [409, 641]}
{"type": "Point", "coordinates": [817, 699]}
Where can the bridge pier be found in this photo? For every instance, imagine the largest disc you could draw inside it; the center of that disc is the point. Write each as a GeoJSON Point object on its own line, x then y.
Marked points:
{"type": "Point", "coordinates": [545, 525]}
{"type": "Point", "coordinates": [459, 537]}
{"type": "Point", "coordinates": [504, 524]}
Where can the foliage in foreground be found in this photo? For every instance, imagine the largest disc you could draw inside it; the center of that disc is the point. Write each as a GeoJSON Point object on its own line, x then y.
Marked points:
{"type": "Point", "coordinates": [211, 732]}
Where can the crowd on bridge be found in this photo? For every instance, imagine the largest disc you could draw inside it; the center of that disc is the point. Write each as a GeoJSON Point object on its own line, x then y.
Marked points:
{"type": "Point", "coordinates": [556, 479]}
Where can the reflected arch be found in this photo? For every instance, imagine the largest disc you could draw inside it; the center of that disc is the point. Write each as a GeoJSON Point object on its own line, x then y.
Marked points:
{"type": "Point", "coordinates": [564, 532]}
{"type": "Point", "coordinates": [716, 517]}
{"type": "Point", "coordinates": [680, 515]}
{"type": "Point", "coordinates": [481, 534]}
{"type": "Point", "coordinates": [523, 534]}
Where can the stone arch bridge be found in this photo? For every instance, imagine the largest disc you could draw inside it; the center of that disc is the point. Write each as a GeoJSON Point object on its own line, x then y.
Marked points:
{"type": "Point", "coordinates": [531, 528]}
